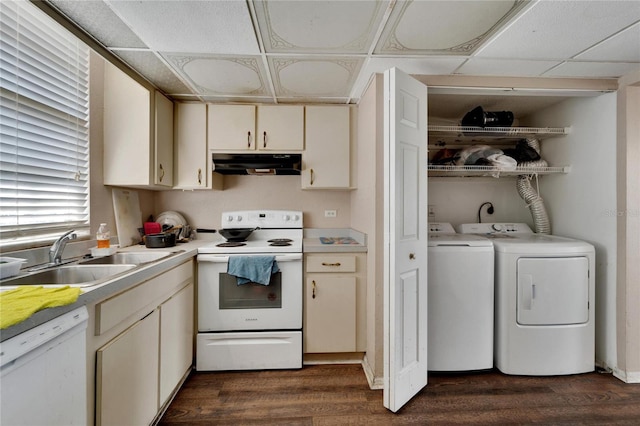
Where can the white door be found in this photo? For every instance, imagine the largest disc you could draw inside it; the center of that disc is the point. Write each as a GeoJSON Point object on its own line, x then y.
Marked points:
{"type": "Point", "coordinates": [405, 245]}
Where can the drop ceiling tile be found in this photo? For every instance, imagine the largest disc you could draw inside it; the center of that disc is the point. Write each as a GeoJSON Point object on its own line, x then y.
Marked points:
{"type": "Point", "coordinates": [624, 47]}
{"type": "Point", "coordinates": [319, 26]}
{"type": "Point", "coordinates": [191, 26]}
{"type": "Point", "coordinates": [505, 67]}
{"type": "Point", "coordinates": [314, 76]}
{"type": "Point", "coordinates": [149, 65]}
{"type": "Point", "coordinates": [221, 75]}
{"type": "Point", "coordinates": [561, 29]}
{"type": "Point", "coordinates": [96, 18]}
{"type": "Point", "coordinates": [438, 65]}
{"type": "Point", "coordinates": [443, 27]}
{"type": "Point", "coordinates": [593, 69]}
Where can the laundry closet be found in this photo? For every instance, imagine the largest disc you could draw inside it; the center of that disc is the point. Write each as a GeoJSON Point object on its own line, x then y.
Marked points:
{"type": "Point", "coordinates": [576, 131]}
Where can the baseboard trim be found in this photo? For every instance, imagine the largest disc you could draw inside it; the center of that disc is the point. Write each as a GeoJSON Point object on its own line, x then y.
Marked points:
{"type": "Point", "coordinates": [375, 383]}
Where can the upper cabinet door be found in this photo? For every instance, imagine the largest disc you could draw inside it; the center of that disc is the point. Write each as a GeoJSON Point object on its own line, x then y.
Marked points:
{"type": "Point", "coordinates": [231, 127]}
{"type": "Point", "coordinates": [164, 141]}
{"type": "Point", "coordinates": [326, 156]}
{"type": "Point", "coordinates": [191, 153]}
{"type": "Point", "coordinates": [280, 128]}
{"type": "Point", "coordinates": [127, 130]}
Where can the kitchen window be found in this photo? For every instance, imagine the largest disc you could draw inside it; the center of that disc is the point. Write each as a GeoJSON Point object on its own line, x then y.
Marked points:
{"type": "Point", "coordinates": [44, 127]}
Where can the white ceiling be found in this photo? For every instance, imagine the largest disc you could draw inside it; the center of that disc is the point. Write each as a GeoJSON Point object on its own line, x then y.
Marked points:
{"type": "Point", "coordinates": [311, 51]}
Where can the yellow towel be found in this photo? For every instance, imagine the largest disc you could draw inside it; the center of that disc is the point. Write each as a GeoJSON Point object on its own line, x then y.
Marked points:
{"type": "Point", "coordinates": [19, 304]}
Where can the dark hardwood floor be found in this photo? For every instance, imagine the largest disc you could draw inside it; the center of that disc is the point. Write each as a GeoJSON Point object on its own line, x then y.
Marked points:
{"type": "Point", "coordinates": [340, 395]}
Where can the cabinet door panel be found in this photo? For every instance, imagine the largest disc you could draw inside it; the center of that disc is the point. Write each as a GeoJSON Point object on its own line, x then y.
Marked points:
{"type": "Point", "coordinates": [327, 148]}
{"type": "Point", "coordinates": [191, 153]}
{"type": "Point", "coordinates": [163, 141]}
{"type": "Point", "coordinates": [330, 314]}
{"type": "Point", "coordinates": [127, 130]}
{"type": "Point", "coordinates": [176, 340]}
{"type": "Point", "coordinates": [231, 127]}
{"type": "Point", "coordinates": [280, 128]}
{"type": "Point", "coordinates": [127, 375]}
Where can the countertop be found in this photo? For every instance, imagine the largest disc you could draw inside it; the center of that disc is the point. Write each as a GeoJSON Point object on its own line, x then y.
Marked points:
{"type": "Point", "coordinates": [312, 242]}
{"type": "Point", "coordinates": [109, 288]}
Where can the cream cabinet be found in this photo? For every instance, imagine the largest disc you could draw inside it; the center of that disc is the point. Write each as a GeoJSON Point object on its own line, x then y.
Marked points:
{"type": "Point", "coordinates": [334, 303]}
{"type": "Point", "coordinates": [142, 341]}
{"type": "Point", "coordinates": [176, 340]}
{"type": "Point", "coordinates": [127, 375]}
{"type": "Point", "coordinates": [326, 158]}
{"type": "Point", "coordinates": [232, 127]}
{"type": "Point", "coordinates": [138, 135]}
{"type": "Point", "coordinates": [191, 153]}
{"type": "Point", "coordinates": [238, 128]}
{"type": "Point", "coordinates": [163, 165]}
{"type": "Point", "coordinates": [280, 128]}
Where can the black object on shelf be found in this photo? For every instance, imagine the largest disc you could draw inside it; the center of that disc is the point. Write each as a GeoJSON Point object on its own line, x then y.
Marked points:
{"type": "Point", "coordinates": [478, 117]}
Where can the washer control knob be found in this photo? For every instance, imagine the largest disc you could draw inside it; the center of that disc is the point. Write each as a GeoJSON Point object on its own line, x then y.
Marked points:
{"type": "Point", "coordinates": [239, 218]}
{"type": "Point", "coordinates": [229, 218]}
{"type": "Point", "coordinates": [286, 218]}
{"type": "Point", "coordinates": [296, 218]}
{"type": "Point", "coordinates": [496, 227]}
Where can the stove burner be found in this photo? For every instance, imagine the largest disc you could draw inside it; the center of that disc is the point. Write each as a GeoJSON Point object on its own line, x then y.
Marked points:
{"type": "Point", "coordinates": [231, 244]}
{"type": "Point", "coordinates": [280, 242]}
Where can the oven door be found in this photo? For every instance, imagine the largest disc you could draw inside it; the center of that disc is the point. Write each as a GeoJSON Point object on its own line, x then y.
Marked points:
{"type": "Point", "coordinates": [223, 305]}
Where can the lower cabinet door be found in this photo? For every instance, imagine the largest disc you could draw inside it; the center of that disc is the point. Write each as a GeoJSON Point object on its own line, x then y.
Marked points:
{"type": "Point", "coordinates": [176, 340]}
{"type": "Point", "coordinates": [127, 375]}
{"type": "Point", "coordinates": [330, 314]}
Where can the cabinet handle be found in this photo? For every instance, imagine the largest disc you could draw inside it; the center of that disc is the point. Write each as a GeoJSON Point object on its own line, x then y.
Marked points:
{"type": "Point", "coordinates": [330, 264]}
{"type": "Point", "coordinates": [313, 289]}
{"type": "Point", "coordinates": [199, 176]}
{"type": "Point", "coordinates": [312, 178]}
{"type": "Point", "coordinates": [264, 139]}
{"type": "Point", "coordinates": [249, 139]}
{"type": "Point", "coordinates": [161, 172]}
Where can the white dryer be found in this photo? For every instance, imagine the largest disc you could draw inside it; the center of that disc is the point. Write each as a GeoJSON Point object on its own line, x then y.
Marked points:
{"type": "Point", "coordinates": [545, 289]}
{"type": "Point", "coordinates": [460, 308]}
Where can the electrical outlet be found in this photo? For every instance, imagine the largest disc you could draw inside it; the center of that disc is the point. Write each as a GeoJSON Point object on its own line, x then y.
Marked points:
{"type": "Point", "coordinates": [330, 213]}
{"type": "Point", "coordinates": [431, 211]}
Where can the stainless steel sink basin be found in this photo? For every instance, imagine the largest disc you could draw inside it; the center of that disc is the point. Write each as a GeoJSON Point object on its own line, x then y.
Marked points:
{"type": "Point", "coordinates": [130, 258]}
{"type": "Point", "coordinates": [73, 275]}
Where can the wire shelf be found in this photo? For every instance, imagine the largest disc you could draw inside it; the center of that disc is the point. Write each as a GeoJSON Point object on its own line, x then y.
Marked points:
{"type": "Point", "coordinates": [470, 171]}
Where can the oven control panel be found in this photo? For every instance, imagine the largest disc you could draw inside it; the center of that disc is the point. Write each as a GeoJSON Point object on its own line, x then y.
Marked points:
{"type": "Point", "coordinates": [279, 219]}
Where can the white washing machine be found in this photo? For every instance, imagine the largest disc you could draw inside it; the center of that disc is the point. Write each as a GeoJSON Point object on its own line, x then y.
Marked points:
{"type": "Point", "coordinates": [461, 293]}
{"type": "Point", "coordinates": [545, 288]}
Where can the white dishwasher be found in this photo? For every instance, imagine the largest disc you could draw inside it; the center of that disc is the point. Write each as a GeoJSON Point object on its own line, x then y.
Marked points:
{"type": "Point", "coordinates": [43, 374]}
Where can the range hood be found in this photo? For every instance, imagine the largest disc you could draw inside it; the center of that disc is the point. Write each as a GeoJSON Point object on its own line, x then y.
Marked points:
{"type": "Point", "coordinates": [257, 164]}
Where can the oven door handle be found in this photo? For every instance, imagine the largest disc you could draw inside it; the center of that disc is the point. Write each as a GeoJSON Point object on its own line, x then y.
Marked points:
{"type": "Point", "coordinates": [292, 257]}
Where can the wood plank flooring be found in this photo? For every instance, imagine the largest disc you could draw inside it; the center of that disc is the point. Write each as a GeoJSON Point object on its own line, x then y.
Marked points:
{"type": "Point", "coordinates": [339, 395]}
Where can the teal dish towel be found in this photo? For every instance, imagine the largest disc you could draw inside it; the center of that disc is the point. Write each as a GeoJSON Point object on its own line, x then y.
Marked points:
{"type": "Point", "coordinates": [252, 269]}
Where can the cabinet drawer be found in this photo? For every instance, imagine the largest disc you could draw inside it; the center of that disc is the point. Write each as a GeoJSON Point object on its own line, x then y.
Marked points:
{"type": "Point", "coordinates": [329, 263]}
{"type": "Point", "coordinates": [113, 311]}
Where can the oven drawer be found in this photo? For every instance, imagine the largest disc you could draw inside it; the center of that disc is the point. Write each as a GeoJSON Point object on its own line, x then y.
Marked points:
{"type": "Point", "coordinates": [249, 351]}
{"type": "Point", "coordinates": [329, 263]}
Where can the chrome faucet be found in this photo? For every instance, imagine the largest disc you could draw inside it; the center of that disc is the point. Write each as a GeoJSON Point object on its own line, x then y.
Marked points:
{"type": "Point", "coordinates": [55, 252]}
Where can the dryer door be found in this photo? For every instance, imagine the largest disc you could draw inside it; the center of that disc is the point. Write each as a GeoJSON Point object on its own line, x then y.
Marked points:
{"type": "Point", "coordinates": [553, 291]}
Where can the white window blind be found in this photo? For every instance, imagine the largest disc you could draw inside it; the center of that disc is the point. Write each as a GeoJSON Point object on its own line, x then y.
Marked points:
{"type": "Point", "coordinates": [44, 126]}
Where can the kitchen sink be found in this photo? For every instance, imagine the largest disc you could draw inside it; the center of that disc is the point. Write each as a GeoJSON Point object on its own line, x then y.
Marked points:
{"type": "Point", "coordinates": [129, 258]}
{"type": "Point", "coordinates": [72, 275]}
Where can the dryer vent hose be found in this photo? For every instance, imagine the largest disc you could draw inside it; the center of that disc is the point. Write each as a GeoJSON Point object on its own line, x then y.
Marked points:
{"type": "Point", "coordinates": [531, 196]}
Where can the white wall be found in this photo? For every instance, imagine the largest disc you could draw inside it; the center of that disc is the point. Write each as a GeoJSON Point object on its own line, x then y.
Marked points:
{"type": "Point", "coordinates": [204, 208]}
{"type": "Point", "coordinates": [582, 203]}
{"type": "Point", "coordinates": [457, 200]}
